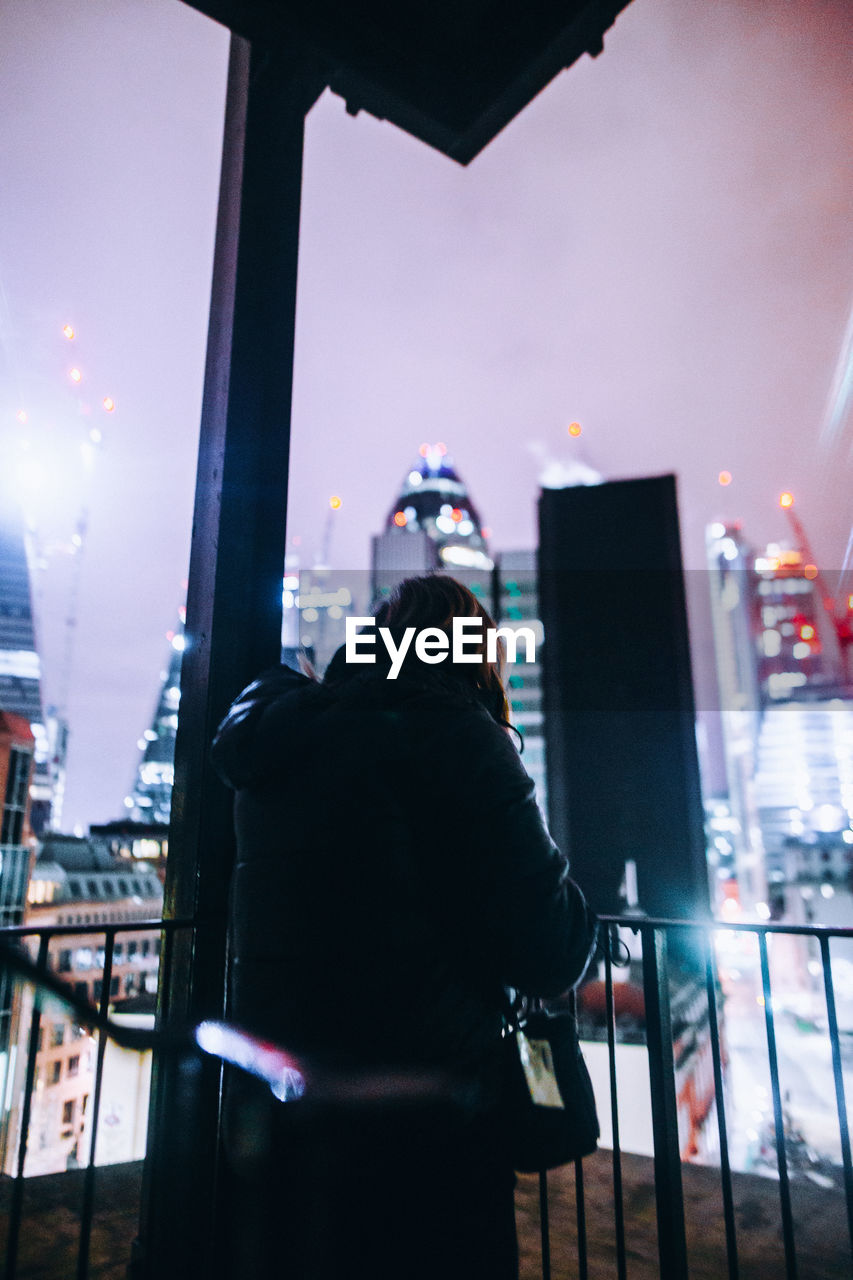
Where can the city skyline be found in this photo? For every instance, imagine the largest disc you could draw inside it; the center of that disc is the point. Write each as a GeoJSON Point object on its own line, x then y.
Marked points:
{"type": "Point", "coordinates": [654, 250]}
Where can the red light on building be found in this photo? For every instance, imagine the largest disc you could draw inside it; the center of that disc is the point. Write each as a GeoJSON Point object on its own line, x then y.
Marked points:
{"type": "Point", "coordinates": [810, 571]}
{"type": "Point", "coordinates": [786, 499]}
{"type": "Point", "coordinates": [456, 515]}
{"type": "Point", "coordinates": [424, 450]}
{"type": "Point", "coordinates": [807, 632]}
{"type": "Point", "coordinates": [575, 428]}
{"type": "Point", "coordinates": [400, 519]}
{"type": "Point", "coordinates": [724, 478]}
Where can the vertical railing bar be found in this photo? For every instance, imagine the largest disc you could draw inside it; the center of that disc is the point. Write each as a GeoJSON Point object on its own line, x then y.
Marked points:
{"type": "Point", "coordinates": [87, 1208]}
{"type": "Point", "coordinates": [669, 1195]}
{"type": "Point", "coordinates": [17, 1201]}
{"type": "Point", "coordinates": [840, 1099]}
{"type": "Point", "coordinates": [618, 1205]}
{"type": "Point", "coordinates": [581, 1212]}
{"type": "Point", "coordinates": [166, 974]}
{"type": "Point", "coordinates": [725, 1166]}
{"type": "Point", "coordinates": [580, 1203]}
{"type": "Point", "coordinates": [778, 1118]}
{"type": "Point", "coordinates": [544, 1224]}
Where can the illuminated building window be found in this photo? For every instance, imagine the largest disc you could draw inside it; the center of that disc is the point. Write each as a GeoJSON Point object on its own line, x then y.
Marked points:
{"type": "Point", "coordinates": [74, 1065]}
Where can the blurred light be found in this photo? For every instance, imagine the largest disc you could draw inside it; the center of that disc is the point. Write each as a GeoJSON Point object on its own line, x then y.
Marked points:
{"type": "Point", "coordinates": [409, 513]}
{"type": "Point", "coordinates": [75, 375]}
{"type": "Point", "coordinates": [182, 613]}
{"type": "Point", "coordinates": [718, 530]}
{"type": "Point", "coordinates": [141, 744]}
{"type": "Point", "coordinates": [415, 477]}
{"type": "Point", "coordinates": [22, 417]}
{"type": "Point", "coordinates": [725, 477]}
{"type": "Point", "coordinates": [827, 891]}
{"type": "Point", "coordinates": [95, 436]}
{"type": "Point", "coordinates": [847, 837]}
{"type": "Point", "coordinates": [786, 499]}
{"type": "Point", "coordinates": [811, 571]}
{"type": "Point", "coordinates": [850, 602]}
{"type": "Point", "coordinates": [760, 1000]}
{"type": "Point", "coordinates": [108, 403]}
{"type": "Point", "coordinates": [424, 450]}
{"type": "Point", "coordinates": [445, 524]}
{"type": "Point", "coordinates": [752, 1135]}
{"type": "Point", "coordinates": [400, 519]}
{"type": "Point", "coordinates": [310, 615]}
{"type": "Point", "coordinates": [150, 735]}
{"type": "Point", "coordinates": [456, 515]}
{"type": "Point", "coordinates": [179, 643]}
{"type": "Point", "coordinates": [730, 551]}
{"type": "Point", "coordinates": [335, 611]}
{"type": "Point", "coordinates": [291, 582]}
{"type": "Point", "coordinates": [828, 818]}
{"type": "Point", "coordinates": [487, 533]}
{"type": "Point", "coordinates": [807, 632]}
{"type": "Point", "coordinates": [465, 528]}
{"type": "Point", "coordinates": [441, 449]}
{"type": "Point", "coordinates": [802, 649]}
{"type": "Point", "coordinates": [762, 910]}
{"type": "Point", "coordinates": [76, 540]}
{"type": "Point", "coordinates": [575, 428]}
{"type": "Point", "coordinates": [68, 330]}
{"type": "Point", "coordinates": [335, 503]}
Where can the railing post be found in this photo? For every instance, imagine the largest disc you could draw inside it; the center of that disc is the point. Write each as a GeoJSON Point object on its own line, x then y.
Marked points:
{"type": "Point", "coordinates": [838, 1077]}
{"type": "Point", "coordinates": [669, 1197]}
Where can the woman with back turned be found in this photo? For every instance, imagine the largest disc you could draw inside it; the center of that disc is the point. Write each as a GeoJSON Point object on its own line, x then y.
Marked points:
{"type": "Point", "coordinates": [393, 876]}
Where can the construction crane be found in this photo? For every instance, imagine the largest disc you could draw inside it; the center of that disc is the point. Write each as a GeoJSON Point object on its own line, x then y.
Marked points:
{"type": "Point", "coordinates": [838, 608]}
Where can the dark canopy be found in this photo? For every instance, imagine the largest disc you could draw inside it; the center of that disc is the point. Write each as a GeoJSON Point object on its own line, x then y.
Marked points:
{"type": "Point", "coordinates": [450, 72]}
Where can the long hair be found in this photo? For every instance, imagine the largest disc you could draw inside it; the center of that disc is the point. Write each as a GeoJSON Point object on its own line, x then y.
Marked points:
{"type": "Point", "coordinates": [434, 601]}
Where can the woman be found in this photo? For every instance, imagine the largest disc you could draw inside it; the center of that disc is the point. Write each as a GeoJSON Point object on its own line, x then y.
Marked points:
{"type": "Point", "coordinates": [393, 876]}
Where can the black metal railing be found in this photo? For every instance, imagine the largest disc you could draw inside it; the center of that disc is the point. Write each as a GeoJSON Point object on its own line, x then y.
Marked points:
{"type": "Point", "coordinates": [695, 960]}
{"type": "Point", "coordinates": [48, 978]}
{"type": "Point", "coordinates": [673, 961]}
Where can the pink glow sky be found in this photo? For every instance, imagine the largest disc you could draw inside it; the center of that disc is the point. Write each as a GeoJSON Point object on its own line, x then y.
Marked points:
{"type": "Point", "coordinates": [657, 248]}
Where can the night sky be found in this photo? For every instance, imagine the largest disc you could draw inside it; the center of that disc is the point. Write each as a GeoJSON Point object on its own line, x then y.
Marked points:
{"type": "Point", "coordinates": [658, 249]}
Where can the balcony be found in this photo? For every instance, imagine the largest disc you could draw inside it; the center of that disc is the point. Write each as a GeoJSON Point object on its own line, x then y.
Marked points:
{"type": "Point", "coordinates": [683, 1030]}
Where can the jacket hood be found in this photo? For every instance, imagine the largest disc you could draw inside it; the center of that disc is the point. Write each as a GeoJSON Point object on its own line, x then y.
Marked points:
{"type": "Point", "coordinates": [266, 726]}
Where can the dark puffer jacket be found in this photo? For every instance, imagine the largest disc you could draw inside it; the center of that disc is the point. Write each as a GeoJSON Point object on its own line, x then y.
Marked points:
{"type": "Point", "coordinates": [393, 871]}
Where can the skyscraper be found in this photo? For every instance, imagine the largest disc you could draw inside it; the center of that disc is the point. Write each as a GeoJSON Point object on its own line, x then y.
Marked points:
{"type": "Point", "coordinates": [20, 667]}
{"type": "Point", "coordinates": [787, 723]}
{"type": "Point", "coordinates": [433, 524]}
{"type": "Point", "coordinates": [150, 799]}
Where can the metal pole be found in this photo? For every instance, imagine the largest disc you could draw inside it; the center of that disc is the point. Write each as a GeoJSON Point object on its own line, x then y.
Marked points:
{"type": "Point", "coordinates": [233, 628]}
{"type": "Point", "coordinates": [669, 1197]}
